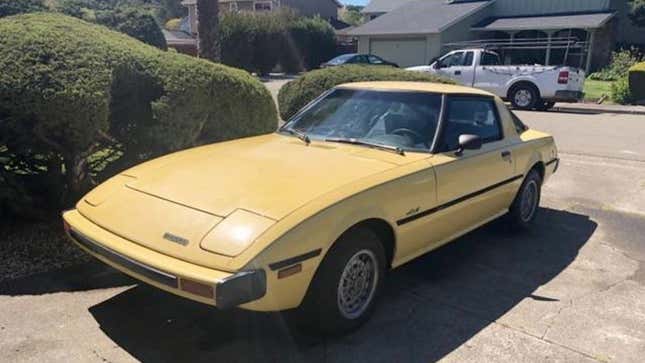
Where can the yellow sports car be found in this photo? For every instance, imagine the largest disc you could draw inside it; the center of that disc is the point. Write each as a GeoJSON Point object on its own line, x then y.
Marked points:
{"type": "Point", "coordinates": [362, 180]}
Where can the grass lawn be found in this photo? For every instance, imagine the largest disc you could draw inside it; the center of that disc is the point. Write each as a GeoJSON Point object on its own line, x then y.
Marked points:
{"type": "Point", "coordinates": [595, 89]}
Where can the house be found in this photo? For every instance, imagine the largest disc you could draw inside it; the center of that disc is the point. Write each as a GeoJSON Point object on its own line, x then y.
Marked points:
{"type": "Point", "coordinates": [327, 9]}
{"type": "Point", "coordinates": [575, 32]}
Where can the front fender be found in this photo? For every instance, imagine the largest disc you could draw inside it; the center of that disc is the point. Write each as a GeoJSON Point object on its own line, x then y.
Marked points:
{"type": "Point", "coordinates": [307, 243]}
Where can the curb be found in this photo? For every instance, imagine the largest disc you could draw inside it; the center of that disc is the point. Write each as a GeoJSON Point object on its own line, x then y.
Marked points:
{"type": "Point", "coordinates": [597, 110]}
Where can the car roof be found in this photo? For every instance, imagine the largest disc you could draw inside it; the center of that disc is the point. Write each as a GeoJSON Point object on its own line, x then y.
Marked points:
{"type": "Point", "coordinates": [430, 87]}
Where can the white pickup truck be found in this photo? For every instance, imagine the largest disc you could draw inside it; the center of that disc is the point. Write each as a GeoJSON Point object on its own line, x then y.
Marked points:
{"type": "Point", "coordinates": [526, 87]}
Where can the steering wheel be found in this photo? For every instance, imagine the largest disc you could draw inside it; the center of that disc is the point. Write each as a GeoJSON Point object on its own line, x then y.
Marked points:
{"type": "Point", "coordinates": [416, 137]}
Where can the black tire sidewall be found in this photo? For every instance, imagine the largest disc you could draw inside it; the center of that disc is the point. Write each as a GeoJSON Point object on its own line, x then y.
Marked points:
{"type": "Point", "coordinates": [515, 213]}
{"type": "Point", "coordinates": [534, 96]}
{"type": "Point", "coordinates": [320, 310]}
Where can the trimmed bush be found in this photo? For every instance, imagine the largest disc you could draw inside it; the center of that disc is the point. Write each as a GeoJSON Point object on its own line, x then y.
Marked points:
{"type": "Point", "coordinates": [13, 7]}
{"type": "Point", "coordinates": [78, 101]}
{"type": "Point", "coordinates": [135, 23]}
{"type": "Point", "coordinates": [309, 41]}
{"type": "Point", "coordinates": [637, 82]}
{"type": "Point", "coordinates": [296, 94]}
{"type": "Point", "coordinates": [258, 42]}
{"type": "Point", "coordinates": [131, 17]}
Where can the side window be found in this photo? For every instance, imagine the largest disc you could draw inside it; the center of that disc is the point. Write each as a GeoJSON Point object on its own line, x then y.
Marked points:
{"type": "Point", "coordinates": [361, 59]}
{"type": "Point", "coordinates": [455, 59]}
{"type": "Point", "coordinates": [468, 59]}
{"type": "Point", "coordinates": [470, 116]}
{"type": "Point", "coordinates": [490, 59]}
{"type": "Point", "coordinates": [520, 127]}
{"type": "Point", "coordinates": [375, 60]}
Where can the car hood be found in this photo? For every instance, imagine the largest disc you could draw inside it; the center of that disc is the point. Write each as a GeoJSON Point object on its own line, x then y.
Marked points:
{"type": "Point", "coordinates": [220, 198]}
{"type": "Point", "coordinates": [270, 175]}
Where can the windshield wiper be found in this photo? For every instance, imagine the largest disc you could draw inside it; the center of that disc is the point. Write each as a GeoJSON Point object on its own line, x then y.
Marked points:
{"type": "Point", "coordinates": [299, 134]}
{"type": "Point", "coordinates": [395, 149]}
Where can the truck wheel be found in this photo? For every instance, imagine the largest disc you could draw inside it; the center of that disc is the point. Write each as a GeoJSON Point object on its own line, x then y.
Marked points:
{"type": "Point", "coordinates": [344, 290]}
{"type": "Point", "coordinates": [524, 96]}
{"type": "Point", "coordinates": [545, 106]}
{"type": "Point", "coordinates": [524, 209]}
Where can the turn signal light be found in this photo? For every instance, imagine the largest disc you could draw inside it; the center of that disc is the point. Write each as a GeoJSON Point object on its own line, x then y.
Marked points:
{"type": "Point", "coordinates": [289, 271]}
{"type": "Point", "coordinates": [197, 288]}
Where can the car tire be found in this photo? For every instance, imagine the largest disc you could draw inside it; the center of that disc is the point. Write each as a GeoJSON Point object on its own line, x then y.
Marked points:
{"type": "Point", "coordinates": [526, 204]}
{"type": "Point", "coordinates": [524, 96]}
{"type": "Point", "coordinates": [353, 270]}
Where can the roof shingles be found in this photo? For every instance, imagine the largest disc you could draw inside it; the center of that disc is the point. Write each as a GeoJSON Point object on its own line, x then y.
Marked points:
{"type": "Point", "coordinates": [420, 17]}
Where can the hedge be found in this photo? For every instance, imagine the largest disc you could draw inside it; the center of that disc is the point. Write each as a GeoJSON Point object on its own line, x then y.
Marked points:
{"type": "Point", "coordinates": [13, 7]}
{"type": "Point", "coordinates": [258, 42]}
{"type": "Point", "coordinates": [77, 99]}
{"type": "Point", "coordinates": [296, 94]}
{"type": "Point", "coordinates": [637, 82]}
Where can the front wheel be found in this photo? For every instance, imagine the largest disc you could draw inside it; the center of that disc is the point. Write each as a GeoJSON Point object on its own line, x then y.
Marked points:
{"type": "Point", "coordinates": [524, 209]}
{"type": "Point", "coordinates": [345, 288]}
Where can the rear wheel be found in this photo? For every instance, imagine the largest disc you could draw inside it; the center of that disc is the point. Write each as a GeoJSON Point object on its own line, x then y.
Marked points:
{"type": "Point", "coordinates": [344, 291]}
{"type": "Point", "coordinates": [524, 209]}
{"type": "Point", "coordinates": [524, 96]}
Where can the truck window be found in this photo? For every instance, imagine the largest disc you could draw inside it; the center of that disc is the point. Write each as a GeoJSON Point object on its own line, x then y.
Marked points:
{"type": "Point", "coordinates": [468, 59]}
{"type": "Point", "coordinates": [490, 59]}
{"type": "Point", "coordinates": [452, 60]}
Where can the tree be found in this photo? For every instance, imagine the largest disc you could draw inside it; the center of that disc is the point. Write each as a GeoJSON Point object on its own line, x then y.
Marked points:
{"type": "Point", "coordinates": [637, 13]}
{"type": "Point", "coordinates": [208, 18]}
{"type": "Point", "coordinates": [171, 9]}
{"type": "Point", "coordinates": [13, 7]}
{"type": "Point", "coordinates": [351, 14]}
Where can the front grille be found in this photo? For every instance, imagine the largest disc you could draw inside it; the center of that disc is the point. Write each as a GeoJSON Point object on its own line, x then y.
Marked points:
{"type": "Point", "coordinates": [117, 258]}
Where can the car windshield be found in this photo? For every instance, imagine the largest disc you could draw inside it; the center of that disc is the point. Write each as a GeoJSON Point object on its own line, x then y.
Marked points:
{"type": "Point", "coordinates": [341, 59]}
{"type": "Point", "coordinates": [403, 120]}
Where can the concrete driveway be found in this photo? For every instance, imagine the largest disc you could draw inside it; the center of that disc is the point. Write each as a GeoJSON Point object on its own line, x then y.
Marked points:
{"type": "Point", "coordinates": [572, 289]}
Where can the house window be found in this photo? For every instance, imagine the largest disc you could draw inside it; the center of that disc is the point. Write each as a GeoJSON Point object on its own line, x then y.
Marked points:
{"type": "Point", "coordinates": [263, 6]}
{"type": "Point", "coordinates": [232, 6]}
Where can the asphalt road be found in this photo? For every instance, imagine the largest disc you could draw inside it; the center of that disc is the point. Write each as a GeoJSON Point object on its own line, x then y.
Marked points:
{"type": "Point", "coordinates": [571, 289]}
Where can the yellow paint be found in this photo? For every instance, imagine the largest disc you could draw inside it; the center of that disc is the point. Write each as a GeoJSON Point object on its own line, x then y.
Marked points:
{"type": "Point", "coordinates": [264, 199]}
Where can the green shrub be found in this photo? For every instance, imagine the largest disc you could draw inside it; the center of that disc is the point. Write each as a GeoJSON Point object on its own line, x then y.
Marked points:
{"type": "Point", "coordinates": [135, 23]}
{"type": "Point", "coordinates": [620, 92]}
{"type": "Point", "coordinates": [637, 82]}
{"type": "Point", "coordinates": [173, 24]}
{"type": "Point", "coordinates": [78, 100]}
{"type": "Point", "coordinates": [296, 94]}
{"type": "Point", "coordinates": [310, 42]}
{"type": "Point", "coordinates": [131, 17]}
{"type": "Point", "coordinates": [618, 66]}
{"type": "Point", "coordinates": [171, 9]}
{"type": "Point", "coordinates": [258, 42]}
{"type": "Point", "coordinates": [13, 7]}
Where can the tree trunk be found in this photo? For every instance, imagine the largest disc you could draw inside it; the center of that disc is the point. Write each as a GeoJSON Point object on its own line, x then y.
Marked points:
{"type": "Point", "coordinates": [208, 37]}
{"type": "Point", "coordinates": [78, 180]}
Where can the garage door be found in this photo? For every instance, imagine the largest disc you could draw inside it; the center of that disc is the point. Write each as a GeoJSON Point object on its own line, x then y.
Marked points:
{"type": "Point", "coordinates": [404, 52]}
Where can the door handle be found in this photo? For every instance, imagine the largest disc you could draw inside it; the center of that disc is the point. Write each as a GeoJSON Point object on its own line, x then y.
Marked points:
{"type": "Point", "coordinates": [506, 155]}
{"type": "Point", "coordinates": [457, 73]}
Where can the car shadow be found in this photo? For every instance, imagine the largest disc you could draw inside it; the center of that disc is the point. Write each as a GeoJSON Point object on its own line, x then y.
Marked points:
{"type": "Point", "coordinates": [86, 276]}
{"type": "Point", "coordinates": [431, 306]}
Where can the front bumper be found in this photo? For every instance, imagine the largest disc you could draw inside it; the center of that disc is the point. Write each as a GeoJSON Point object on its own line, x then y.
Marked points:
{"type": "Point", "coordinates": [568, 96]}
{"type": "Point", "coordinates": [213, 287]}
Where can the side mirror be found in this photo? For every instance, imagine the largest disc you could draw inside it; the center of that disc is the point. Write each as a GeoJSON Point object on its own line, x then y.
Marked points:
{"type": "Point", "coordinates": [469, 142]}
